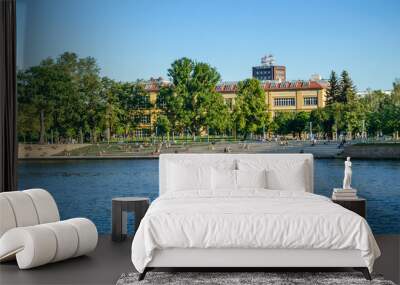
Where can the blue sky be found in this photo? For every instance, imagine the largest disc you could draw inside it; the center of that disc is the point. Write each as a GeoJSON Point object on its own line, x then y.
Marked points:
{"type": "Point", "coordinates": [134, 39]}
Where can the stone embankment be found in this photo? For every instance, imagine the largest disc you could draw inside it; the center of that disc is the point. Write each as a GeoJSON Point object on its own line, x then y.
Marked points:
{"type": "Point", "coordinates": [46, 150]}
{"type": "Point", "coordinates": [104, 151]}
{"type": "Point", "coordinates": [373, 151]}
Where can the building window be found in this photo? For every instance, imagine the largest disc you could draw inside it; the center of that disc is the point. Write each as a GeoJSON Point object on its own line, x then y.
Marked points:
{"type": "Point", "coordinates": [144, 102]}
{"type": "Point", "coordinates": [145, 119]}
{"type": "Point", "coordinates": [139, 133]}
{"type": "Point", "coordinates": [146, 132]}
{"type": "Point", "coordinates": [229, 103]}
{"type": "Point", "coordinates": [310, 101]}
{"type": "Point", "coordinates": [161, 103]}
{"type": "Point", "coordinates": [284, 102]}
{"type": "Point", "coordinates": [142, 119]}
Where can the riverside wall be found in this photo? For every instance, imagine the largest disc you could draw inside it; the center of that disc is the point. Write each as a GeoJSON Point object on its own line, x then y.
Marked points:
{"type": "Point", "coordinates": [373, 151]}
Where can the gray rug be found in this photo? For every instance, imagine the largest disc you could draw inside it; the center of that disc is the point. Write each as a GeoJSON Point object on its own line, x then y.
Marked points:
{"type": "Point", "coordinates": [269, 278]}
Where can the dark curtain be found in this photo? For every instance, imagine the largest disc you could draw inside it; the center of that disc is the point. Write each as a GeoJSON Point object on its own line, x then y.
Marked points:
{"type": "Point", "coordinates": [8, 97]}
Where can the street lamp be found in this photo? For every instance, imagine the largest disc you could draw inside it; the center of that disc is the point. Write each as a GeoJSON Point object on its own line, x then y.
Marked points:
{"type": "Point", "coordinates": [263, 132]}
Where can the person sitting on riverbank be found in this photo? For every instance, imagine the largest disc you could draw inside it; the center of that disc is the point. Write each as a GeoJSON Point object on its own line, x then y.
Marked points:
{"type": "Point", "coordinates": [227, 149]}
{"type": "Point", "coordinates": [342, 143]}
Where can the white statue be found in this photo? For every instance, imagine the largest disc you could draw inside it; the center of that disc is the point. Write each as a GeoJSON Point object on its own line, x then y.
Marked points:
{"type": "Point", "coordinates": [347, 174]}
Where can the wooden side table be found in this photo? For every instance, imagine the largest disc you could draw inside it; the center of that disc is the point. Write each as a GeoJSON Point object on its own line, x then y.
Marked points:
{"type": "Point", "coordinates": [120, 208]}
{"type": "Point", "coordinates": [358, 205]}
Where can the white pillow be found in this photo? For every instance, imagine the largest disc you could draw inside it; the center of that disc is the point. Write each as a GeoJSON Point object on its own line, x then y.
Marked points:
{"type": "Point", "coordinates": [224, 164]}
{"type": "Point", "coordinates": [251, 178]}
{"type": "Point", "coordinates": [184, 177]}
{"type": "Point", "coordinates": [224, 179]}
{"type": "Point", "coordinates": [293, 178]}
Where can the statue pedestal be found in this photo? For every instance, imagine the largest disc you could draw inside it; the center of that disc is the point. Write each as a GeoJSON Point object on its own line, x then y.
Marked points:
{"type": "Point", "coordinates": [344, 194]}
{"type": "Point", "coordinates": [344, 190]}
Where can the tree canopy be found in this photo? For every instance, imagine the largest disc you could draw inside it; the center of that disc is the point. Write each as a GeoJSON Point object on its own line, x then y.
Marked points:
{"type": "Point", "coordinates": [65, 99]}
{"type": "Point", "coordinates": [191, 103]}
{"type": "Point", "coordinates": [250, 111]}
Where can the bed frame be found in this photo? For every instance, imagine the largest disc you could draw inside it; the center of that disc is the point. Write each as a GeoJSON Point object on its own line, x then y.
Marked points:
{"type": "Point", "coordinates": [256, 259]}
{"type": "Point", "coordinates": [236, 259]}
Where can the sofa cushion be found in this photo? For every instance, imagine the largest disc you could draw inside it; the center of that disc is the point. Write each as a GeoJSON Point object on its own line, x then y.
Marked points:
{"type": "Point", "coordinates": [23, 208]}
{"type": "Point", "coordinates": [41, 244]}
{"type": "Point", "coordinates": [46, 207]}
{"type": "Point", "coordinates": [7, 220]}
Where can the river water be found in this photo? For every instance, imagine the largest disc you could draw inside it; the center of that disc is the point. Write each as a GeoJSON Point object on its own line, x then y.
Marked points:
{"type": "Point", "coordinates": [84, 188]}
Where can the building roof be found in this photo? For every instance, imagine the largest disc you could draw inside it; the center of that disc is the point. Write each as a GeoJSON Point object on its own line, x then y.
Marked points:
{"type": "Point", "coordinates": [269, 66]}
{"type": "Point", "coordinates": [154, 85]}
{"type": "Point", "coordinates": [231, 87]}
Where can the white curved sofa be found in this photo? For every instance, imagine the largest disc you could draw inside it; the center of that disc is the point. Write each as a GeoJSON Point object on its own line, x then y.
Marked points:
{"type": "Point", "coordinates": [31, 231]}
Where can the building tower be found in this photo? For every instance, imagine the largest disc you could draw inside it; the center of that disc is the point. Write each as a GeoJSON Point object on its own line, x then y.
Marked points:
{"type": "Point", "coordinates": [268, 70]}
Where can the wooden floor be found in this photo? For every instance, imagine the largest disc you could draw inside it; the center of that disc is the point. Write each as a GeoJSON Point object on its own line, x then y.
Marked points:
{"type": "Point", "coordinates": [103, 266]}
{"type": "Point", "coordinates": [110, 260]}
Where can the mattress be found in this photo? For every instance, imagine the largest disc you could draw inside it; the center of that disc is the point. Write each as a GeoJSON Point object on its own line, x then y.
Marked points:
{"type": "Point", "coordinates": [250, 219]}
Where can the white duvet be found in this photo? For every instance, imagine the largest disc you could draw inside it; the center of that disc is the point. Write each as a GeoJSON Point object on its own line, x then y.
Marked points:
{"type": "Point", "coordinates": [250, 219]}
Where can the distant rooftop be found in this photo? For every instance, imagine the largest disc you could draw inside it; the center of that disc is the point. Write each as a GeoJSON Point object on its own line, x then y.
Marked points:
{"type": "Point", "coordinates": [153, 85]}
{"type": "Point", "coordinates": [366, 92]}
{"type": "Point", "coordinates": [227, 87]}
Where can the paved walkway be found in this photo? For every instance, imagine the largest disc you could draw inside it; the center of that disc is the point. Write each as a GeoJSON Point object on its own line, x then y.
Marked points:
{"type": "Point", "coordinates": [104, 151]}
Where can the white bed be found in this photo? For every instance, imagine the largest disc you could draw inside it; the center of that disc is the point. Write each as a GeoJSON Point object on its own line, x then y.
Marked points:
{"type": "Point", "coordinates": [201, 219]}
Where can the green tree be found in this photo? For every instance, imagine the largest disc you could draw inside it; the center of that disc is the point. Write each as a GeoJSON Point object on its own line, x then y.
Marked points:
{"type": "Point", "coordinates": [163, 126]}
{"type": "Point", "coordinates": [127, 94]}
{"type": "Point", "coordinates": [68, 115]}
{"type": "Point", "coordinates": [373, 100]}
{"type": "Point", "coordinates": [282, 121]}
{"type": "Point", "coordinates": [109, 93]}
{"type": "Point", "coordinates": [41, 87]}
{"type": "Point", "coordinates": [320, 121]}
{"type": "Point", "coordinates": [90, 88]}
{"type": "Point", "coordinates": [354, 115]}
{"type": "Point", "coordinates": [347, 89]}
{"type": "Point", "coordinates": [213, 113]}
{"type": "Point", "coordinates": [140, 100]}
{"type": "Point", "coordinates": [192, 83]}
{"type": "Point", "coordinates": [372, 104]}
{"type": "Point", "coordinates": [336, 122]}
{"type": "Point", "coordinates": [391, 118]}
{"type": "Point", "coordinates": [250, 111]}
{"type": "Point", "coordinates": [374, 123]}
{"type": "Point", "coordinates": [299, 123]}
{"type": "Point", "coordinates": [395, 95]}
{"type": "Point", "coordinates": [172, 106]}
{"type": "Point", "coordinates": [333, 91]}
{"type": "Point", "coordinates": [27, 121]}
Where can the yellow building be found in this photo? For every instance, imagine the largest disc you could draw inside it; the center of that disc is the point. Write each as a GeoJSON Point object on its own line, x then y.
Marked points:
{"type": "Point", "coordinates": [280, 96]}
{"type": "Point", "coordinates": [148, 109]}
{"type": "Point", "coordinates": [283, 96]}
